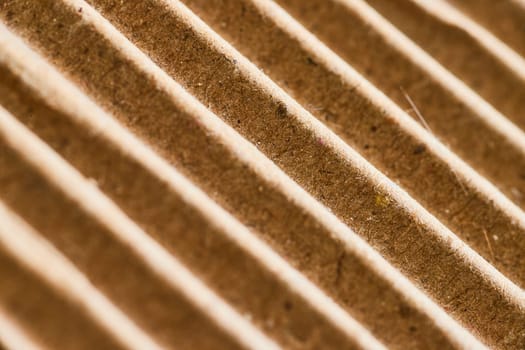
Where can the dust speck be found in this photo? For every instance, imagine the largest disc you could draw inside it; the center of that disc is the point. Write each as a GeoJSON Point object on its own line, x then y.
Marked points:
{"type": "Point", "coordinates": [382, 200]}
{"type": "Point", "coordinates": [282, 111]}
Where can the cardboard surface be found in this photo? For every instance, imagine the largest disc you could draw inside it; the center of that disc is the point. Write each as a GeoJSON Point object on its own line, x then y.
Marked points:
{"type": "Point", "coordinates": [239, 174]}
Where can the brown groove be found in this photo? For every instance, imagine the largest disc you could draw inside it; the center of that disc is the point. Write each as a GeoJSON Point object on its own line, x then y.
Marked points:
{"type": "Point", "coordinates": [13, 337]}
{"type": "Point", "coordinates": [179, 226]}
{"type": "Point", "coordinates": [504, 18]}
{"type": "Point", "coordinates": [430, 178]}
{"type": "Point", "coordinates": [45, 263]}
{"type": "Point", "coordinates": [477, 284]}
{"type": "Point", "coordinates": [394, 319]}
{"type": "Point", "coordinates": [463, 55]}
{"type": "Point", "coordinates": [51, 320]}
{"type": "Point", "coordinates": [146, 298]}
{"type": "Point", "coordinates": [306, 140]}
{"type": "Point", "coordinates": [273, 120]}
{"type": "Point", "coordinates": [491, 150]}
{"type": "Point", "coordinates": [44, 314]}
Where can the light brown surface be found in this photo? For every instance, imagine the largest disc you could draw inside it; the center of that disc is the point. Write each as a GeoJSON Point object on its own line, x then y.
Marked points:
{"type": "Point", "coordinates": [330, 217]}
{"type": "Point", "coordinates": [504, 18]}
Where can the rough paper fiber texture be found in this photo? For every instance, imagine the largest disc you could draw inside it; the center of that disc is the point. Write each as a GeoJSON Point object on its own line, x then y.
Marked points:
{"type": "Point", "coordinates": [261, 174]}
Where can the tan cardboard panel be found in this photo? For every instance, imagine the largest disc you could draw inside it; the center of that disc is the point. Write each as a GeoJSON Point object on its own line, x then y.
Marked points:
{"type": "Point", "coordinates": [262, 174]}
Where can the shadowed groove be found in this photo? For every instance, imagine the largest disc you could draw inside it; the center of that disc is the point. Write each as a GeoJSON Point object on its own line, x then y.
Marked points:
{"type": "Point", "coordinates": [402, 310]}
{"type": "Point", "coordinates": [318, 195]}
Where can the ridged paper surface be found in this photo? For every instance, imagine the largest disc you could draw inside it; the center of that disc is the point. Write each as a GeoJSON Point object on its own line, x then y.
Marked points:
{"type": "Point", "coordinates": [221, 174]}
